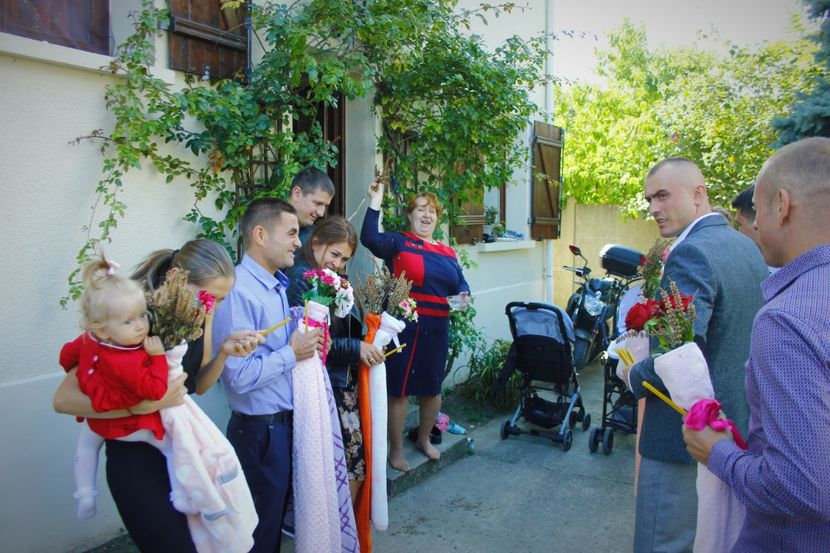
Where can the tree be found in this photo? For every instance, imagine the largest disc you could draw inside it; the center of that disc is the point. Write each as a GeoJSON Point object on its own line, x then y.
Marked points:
{"type": "Point", "coordinates": [811, 111]}
{"type": "Point", "coordinates": [714, 109]}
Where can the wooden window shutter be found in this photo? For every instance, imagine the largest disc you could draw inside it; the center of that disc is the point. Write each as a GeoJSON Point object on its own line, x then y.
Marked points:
{"type": "Point", "coordinates": [80, 24]}
{"type": "Point", "coordinates": [471, 221]}
{"type": "Point", "coordinates": [332, 121]}
{"type": "Point", "coordinates": [546, 185]}
{"type": "Point", "coordinates": [205, 39]}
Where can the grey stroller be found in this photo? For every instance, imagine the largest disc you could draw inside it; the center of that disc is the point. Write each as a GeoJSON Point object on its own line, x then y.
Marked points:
{"type": "Point", "coordinates": [542, 351]}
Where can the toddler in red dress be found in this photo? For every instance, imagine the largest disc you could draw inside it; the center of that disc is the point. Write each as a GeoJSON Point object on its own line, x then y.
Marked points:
{"type": "Point", "coordinates": [119, 365]}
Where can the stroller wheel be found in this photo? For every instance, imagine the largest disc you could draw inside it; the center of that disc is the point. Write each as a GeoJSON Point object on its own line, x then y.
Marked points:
{"type": "Point", "coordinates": [607, 440]}
{"type": "Point", "coordinates": [573, 418]}
{"type": "Point", "coordinates": [567, 440]}
{"type": "Point", "coordinates": [505, 430]}
{"type": "Point", "coordinates": [592, 440]}
{"type": "Point", "coordinates": [586, 422]}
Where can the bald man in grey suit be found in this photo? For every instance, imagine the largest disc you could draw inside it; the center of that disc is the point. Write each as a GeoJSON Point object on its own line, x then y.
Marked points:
{"type": "Point", "coordinates": [723, 270]}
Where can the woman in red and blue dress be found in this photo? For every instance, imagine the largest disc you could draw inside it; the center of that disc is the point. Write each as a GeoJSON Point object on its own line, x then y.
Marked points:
{"type": "Point", "coordinates": [435, 273]}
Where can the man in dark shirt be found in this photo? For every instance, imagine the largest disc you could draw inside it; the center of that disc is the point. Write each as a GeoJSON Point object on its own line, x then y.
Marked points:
{"type": "Point", "coordinates": [311, 193]}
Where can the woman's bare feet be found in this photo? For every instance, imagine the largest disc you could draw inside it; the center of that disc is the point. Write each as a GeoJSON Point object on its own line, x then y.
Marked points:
{"type": "Point", "coordinates": [428, 450]}
{"type": "Point", "coordinates": [398, 460]}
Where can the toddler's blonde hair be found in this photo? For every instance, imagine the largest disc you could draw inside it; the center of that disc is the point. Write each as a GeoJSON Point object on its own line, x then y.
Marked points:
{"type": "Point", "coordinates": [101, 285]}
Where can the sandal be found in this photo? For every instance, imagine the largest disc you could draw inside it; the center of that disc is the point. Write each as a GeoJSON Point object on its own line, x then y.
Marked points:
{"type": "Point", "coordinates": [434, 435]}
{"type": "Point", "coordinates": [455, 428]}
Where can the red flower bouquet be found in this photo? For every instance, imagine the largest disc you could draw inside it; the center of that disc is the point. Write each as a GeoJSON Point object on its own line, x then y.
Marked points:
{"type": "Point", "coordinates": [673, 320]}
{"type": "Point", "coordinates": [651, 269]}
{"type": "Point", "coordinates": [639, 314]}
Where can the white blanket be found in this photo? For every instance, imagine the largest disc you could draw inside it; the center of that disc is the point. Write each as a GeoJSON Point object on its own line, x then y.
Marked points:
{"type": "Point", "coordinates": [317, 504]}
{"type": "Point", "coordinates": [208, 471]}
{"type": "Point", "coordinates": [389, 329]}
{"type": "Point", "coordinates": [720, 516]}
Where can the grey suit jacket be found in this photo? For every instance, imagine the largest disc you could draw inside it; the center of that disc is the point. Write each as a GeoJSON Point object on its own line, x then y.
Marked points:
{"type": "Point", "coordinates": [723, 269]}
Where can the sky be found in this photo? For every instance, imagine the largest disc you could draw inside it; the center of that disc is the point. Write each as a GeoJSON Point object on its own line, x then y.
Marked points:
{"type": "Point", "coordinates": [668, 23]}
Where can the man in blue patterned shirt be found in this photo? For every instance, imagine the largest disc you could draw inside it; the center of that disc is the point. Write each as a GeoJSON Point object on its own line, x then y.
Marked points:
{"type": "Point", "coordinates": [784, 477]}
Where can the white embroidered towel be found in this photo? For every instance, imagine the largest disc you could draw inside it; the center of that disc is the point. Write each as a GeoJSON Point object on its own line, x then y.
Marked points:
{"type": "Point", "coordinates": [388, 331]}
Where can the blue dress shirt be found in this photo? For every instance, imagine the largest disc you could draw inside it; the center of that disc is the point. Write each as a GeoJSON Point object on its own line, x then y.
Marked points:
{"type": "Point", "coordinates": [259, 384]}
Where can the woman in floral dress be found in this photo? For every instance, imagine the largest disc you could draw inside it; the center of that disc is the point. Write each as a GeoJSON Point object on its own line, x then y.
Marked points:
{"type": "Point", "coordinates": [330, 246]}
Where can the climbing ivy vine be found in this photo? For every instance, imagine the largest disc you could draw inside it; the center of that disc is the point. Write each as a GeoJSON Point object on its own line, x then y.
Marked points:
{"type": "Point", "coordinates": [451, 110]}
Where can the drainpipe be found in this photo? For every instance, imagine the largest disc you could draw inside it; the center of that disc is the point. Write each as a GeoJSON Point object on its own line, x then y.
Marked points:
{"type": "Point", "coordinates": [549, 111]}
{"type": "Point", "coordinates": [249, 41]}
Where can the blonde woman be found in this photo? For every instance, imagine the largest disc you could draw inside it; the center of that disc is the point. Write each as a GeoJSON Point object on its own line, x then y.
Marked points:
{"type": "Point", "coordinates": [136, 472]}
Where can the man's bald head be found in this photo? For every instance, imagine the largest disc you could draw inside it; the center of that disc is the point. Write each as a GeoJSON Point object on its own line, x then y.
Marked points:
{"type": "Point", "coordinates": [683, 171]}
{"type": "Point", "coordinates": [802, 168]}
{"type": "Point", "coordinates": [792, 200]}
{"type": "Point", "coordinates": [676, 195]}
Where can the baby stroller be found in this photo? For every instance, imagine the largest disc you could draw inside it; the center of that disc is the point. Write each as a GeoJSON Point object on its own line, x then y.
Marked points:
{"type": "Point", "coordinates": [619, 410]}
{"type": "Point", "coordinates": [543, 351]}
{"type": "Point", "coordinates": [619, 406]}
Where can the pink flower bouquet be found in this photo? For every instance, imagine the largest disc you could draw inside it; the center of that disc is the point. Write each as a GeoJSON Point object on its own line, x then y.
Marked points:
{"type": "Point", "coordinates": [328, 288]}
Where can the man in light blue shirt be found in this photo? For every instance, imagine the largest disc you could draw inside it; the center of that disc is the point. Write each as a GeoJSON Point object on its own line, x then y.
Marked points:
{"type": "Point", "coordinates": [259, 387]}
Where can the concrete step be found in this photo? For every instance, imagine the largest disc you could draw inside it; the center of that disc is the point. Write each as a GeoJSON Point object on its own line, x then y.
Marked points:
{"type": "Point", "coordinates": [452, 448]}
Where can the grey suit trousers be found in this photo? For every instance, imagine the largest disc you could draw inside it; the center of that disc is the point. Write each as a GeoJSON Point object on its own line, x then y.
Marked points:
{"type": "Point", "coordinates": [666, 507]}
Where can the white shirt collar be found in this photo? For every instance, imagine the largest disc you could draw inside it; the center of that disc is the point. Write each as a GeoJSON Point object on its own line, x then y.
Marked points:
{"type": "Point", "coordinates": [689, 228]}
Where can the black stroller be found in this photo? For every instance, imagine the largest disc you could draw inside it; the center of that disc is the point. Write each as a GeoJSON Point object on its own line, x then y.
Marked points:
{"type": "Point", "coordinates": [543, 351]}
{"type": "Point", "coordinates": [619, 406]}
{"type": "Point", "coordinates": [619, 410]}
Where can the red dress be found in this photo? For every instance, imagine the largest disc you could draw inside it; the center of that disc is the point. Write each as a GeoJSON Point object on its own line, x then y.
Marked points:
{"type": "Point", "coordinates": [115, 377]}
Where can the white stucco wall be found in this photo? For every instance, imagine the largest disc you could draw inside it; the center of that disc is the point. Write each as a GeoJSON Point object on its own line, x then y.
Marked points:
{"type": "Point", "coordinates": [47, 188]}
{"type": "Point", "coordinates": [50, 95]}
{"type": "Point", "coordinates": [509, 272]}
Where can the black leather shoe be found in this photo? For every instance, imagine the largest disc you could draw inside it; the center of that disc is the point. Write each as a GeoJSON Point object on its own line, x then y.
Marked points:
{"type": "Point", "coordinates": [434, 435]}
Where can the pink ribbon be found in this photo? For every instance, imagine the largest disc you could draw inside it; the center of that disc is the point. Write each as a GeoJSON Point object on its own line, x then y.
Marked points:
{"type": "Point", "coordinates": [324, 325]}
{"type": "Point", "coordinates": [705, 413]}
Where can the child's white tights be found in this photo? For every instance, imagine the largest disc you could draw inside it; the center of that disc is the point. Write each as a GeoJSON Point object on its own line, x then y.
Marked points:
{"type": "Point", "coordinates": [86, 470]}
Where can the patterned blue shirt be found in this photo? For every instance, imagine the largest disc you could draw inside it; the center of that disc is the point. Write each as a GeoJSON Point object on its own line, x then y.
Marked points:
{"type": "Point", "coordinates": [259, 384]}
{"type": "Point", "coordinates": [784, 478]}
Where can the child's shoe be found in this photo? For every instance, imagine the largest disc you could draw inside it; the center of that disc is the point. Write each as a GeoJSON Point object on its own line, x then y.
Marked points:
{"type": "Point", "coordinates": [86, 502]}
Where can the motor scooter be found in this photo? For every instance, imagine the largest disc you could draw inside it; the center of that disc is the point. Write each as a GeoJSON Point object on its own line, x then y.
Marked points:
{"type": "Point", "coordinates": [593, 306]}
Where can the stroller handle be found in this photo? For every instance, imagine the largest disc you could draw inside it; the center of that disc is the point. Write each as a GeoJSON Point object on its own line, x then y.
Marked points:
{"type": "Point", "coordinates": [529, 305]}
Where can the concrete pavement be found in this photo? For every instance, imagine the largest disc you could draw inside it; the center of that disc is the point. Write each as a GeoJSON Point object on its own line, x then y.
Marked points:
{"type": "Point", "coordinates": [520, 495]}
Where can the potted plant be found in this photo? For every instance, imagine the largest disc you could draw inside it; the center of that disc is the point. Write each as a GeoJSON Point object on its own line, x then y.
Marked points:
{"type": "Point", "coordinates": [492, 224]}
